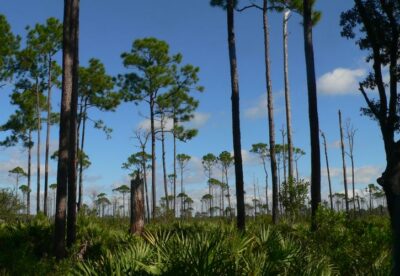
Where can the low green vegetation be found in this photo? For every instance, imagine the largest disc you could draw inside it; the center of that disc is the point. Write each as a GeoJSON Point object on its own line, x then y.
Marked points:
{"type": "Point", "coordinates": [341, 246]}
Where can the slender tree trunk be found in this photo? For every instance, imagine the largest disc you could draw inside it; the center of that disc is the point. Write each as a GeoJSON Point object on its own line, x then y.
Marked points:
{"type": "Point", "coordinates": [39, 126]}
{"type": "Point", "coordinates": [297, 169]}
{"type": "Point", "coordinates": [80, 194]}
{"type": "Point", "coordinates": [163, 164]}
{"type": "Point", "coordinates": [313, 112]}
{"type": "Point", "coordinates": [137, 206]}
{"type": "Point", "coordinates": [62, 168]}
{"type": "Point", "coordinates": [352, 181]}
{"type": "Point", "coordinates": [46, 167]}
{"type": "Point", "coordinates": [145, 186]}
{"type": "Point", "coordinates": [266, 187]}
{"type": "Point", "coordinates": [328, 170]}
{"type": "Point", "coordinates": [175, 125]}
{"type": "Point", "coordinates": [237, 147]}
{"type": "Point", "coordinates": [28, 196]}
{"type": "Point", "coordinates": [271, 123]}
{"type": "Point", "coordinates": [284, 156]}
{"type": "Point", "coordinates": [210, 193]}
{"type": "Point", "coordinates": [123, 204]}
{"type": "Point", "coordinates": [286, 16]}
{"type": "Point", "coordinates": [229, 194]}
{"type": "Point", "coordinates": [344, 163]}
{"type": "Point", "coordinates": [72, 170]}
{"type": "Point", "coordinates": [153, 159]}
{"type": "Point", "coordinates": [182, 190]}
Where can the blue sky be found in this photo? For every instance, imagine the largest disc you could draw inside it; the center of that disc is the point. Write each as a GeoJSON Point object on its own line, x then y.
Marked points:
{"type": "Point", "coordinates": [198, 31]}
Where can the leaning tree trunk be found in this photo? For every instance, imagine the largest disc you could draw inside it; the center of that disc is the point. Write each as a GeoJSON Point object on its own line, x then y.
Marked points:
{"type": "Point", "coordinates": [137, 206]}
{"type": "Point", "coordinates": [28, 196]}
{"type": "Point", "coordinates": [62, 168]}
{"type": "Point", "coordinates": [313, 112]}
{"type": "Point", "coordinates": [344, 162]}
{"type": "Point", "coordinates": [163, 164]}
{"type": "Point", "coordinates": [271, 123]}
{"type": "Point", "coordinates": [39, 123]}
{"type": "Point", "coordinates": [288, 107]}
{"type": "Point", "coordinates": [72, 170]}
{"type": "Point", "coordinates": [153, 160]}
{"type": "Point", "coordinates": [328, 170]}
{"type": "Point", "coordinates": [237, 147]}
{"type": "Point", "coordinates": [46, 166]}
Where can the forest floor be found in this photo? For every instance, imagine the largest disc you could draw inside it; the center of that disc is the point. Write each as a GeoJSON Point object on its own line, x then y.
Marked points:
{"type": "Point", "coordinates": [341, 246]}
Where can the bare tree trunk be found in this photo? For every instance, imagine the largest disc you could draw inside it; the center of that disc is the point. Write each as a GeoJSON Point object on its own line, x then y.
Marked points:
{"type": "Point", "coordinates": [328, 170]}
{"type": "Point", "coordinates": [344, 163]}
{"type": "Point", "coordinates": [163, 164]}
{"type": "Point", "coordinates": [350, 133]}
{"type": "Point", "coordinates": [39, 126]}
{"type": "Point", "coordinates": [145, 186]}
{"type": "Point", "coordinates": [28, 196]}
{"type": "Point", "coordinates": [286, 16]}
{"type": "Point", "coordinates": [237, 147]}
{"type": "Point", "coordinates": [266, 186]}
{"type": "Point", "coordinates": [284, 155]}
{"type": "Point", "coordinates": [62, 168]}
{"type": "Point", "coordinates": [80, 194]}
{"type": "Point", "coordinates": [137, 206]}
{"type": "Point", "coordinates": [229, 194]}
{"type": "Point", "coordinates": [153, 159]}
{"type": "Point", "coordinates": [46, 166]}
{"type": "Point", "coordinates": [271, 123]}
{"type": "Point", "coordinates": [313, 112]}
{"type": "Point", "coordinates": [175, 125]}
{"type": "Point", "coordinates": [72, 170]}
{"type": "Point", "coordinates": [182, 190]}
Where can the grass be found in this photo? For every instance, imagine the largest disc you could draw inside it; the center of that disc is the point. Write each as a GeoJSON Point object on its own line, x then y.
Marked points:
{"type": "Point", "coordinates": [341, 246]}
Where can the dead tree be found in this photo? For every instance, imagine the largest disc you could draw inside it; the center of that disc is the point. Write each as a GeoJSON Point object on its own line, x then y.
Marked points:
{"type": "Point", "coordinates": [344, 163]}
{"type": "Point", "coordinates": [137, 205]}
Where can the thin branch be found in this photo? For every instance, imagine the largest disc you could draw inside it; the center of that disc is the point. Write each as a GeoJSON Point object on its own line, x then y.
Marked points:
{"type": "Point", "coordinates": [369, 103]}
{"type": "Point", "coordinates": [253, 5]}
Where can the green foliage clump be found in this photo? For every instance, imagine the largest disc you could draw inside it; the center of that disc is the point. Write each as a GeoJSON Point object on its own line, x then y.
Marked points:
{"type": "Point", "coordinates": [340, 246]}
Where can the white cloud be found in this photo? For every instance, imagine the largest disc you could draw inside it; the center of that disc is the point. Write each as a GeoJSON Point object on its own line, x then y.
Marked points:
{"type": "Point", "coordinates": [146, 124]}
{"type": "Point", "coordinates": [199, 119]}
{"type": "Point", "coordinates": [259, 110]}
{"type": "Point", "coordinates": [340, 81]}
{"type": "Point", "coordinates": [363, 175]}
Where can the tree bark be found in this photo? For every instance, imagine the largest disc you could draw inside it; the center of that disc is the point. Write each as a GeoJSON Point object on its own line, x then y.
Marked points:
{"type": "Point", "coordinates": [72, 170]}
{"type": "Point", "coordinates": [137, 206]}
{"type": "Point", "coordinates": [344, 163]}
{"type": "Point", "coordinates": [328, 170]}
{"type": "Point", "coordinates": [271, 123]}
{"type": "Point", "coordinates": [62, 168]}
{"type": "Point", "coordinates": [39, 126]}
{"type": "Point", "coordinates": [313, 112]}
{"type": "Point", "coordinates": [46, 166]}
{"type": "Point", "coordinates": [237, 147]}
{"type": "Point", "coordinates": [286, 16]}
